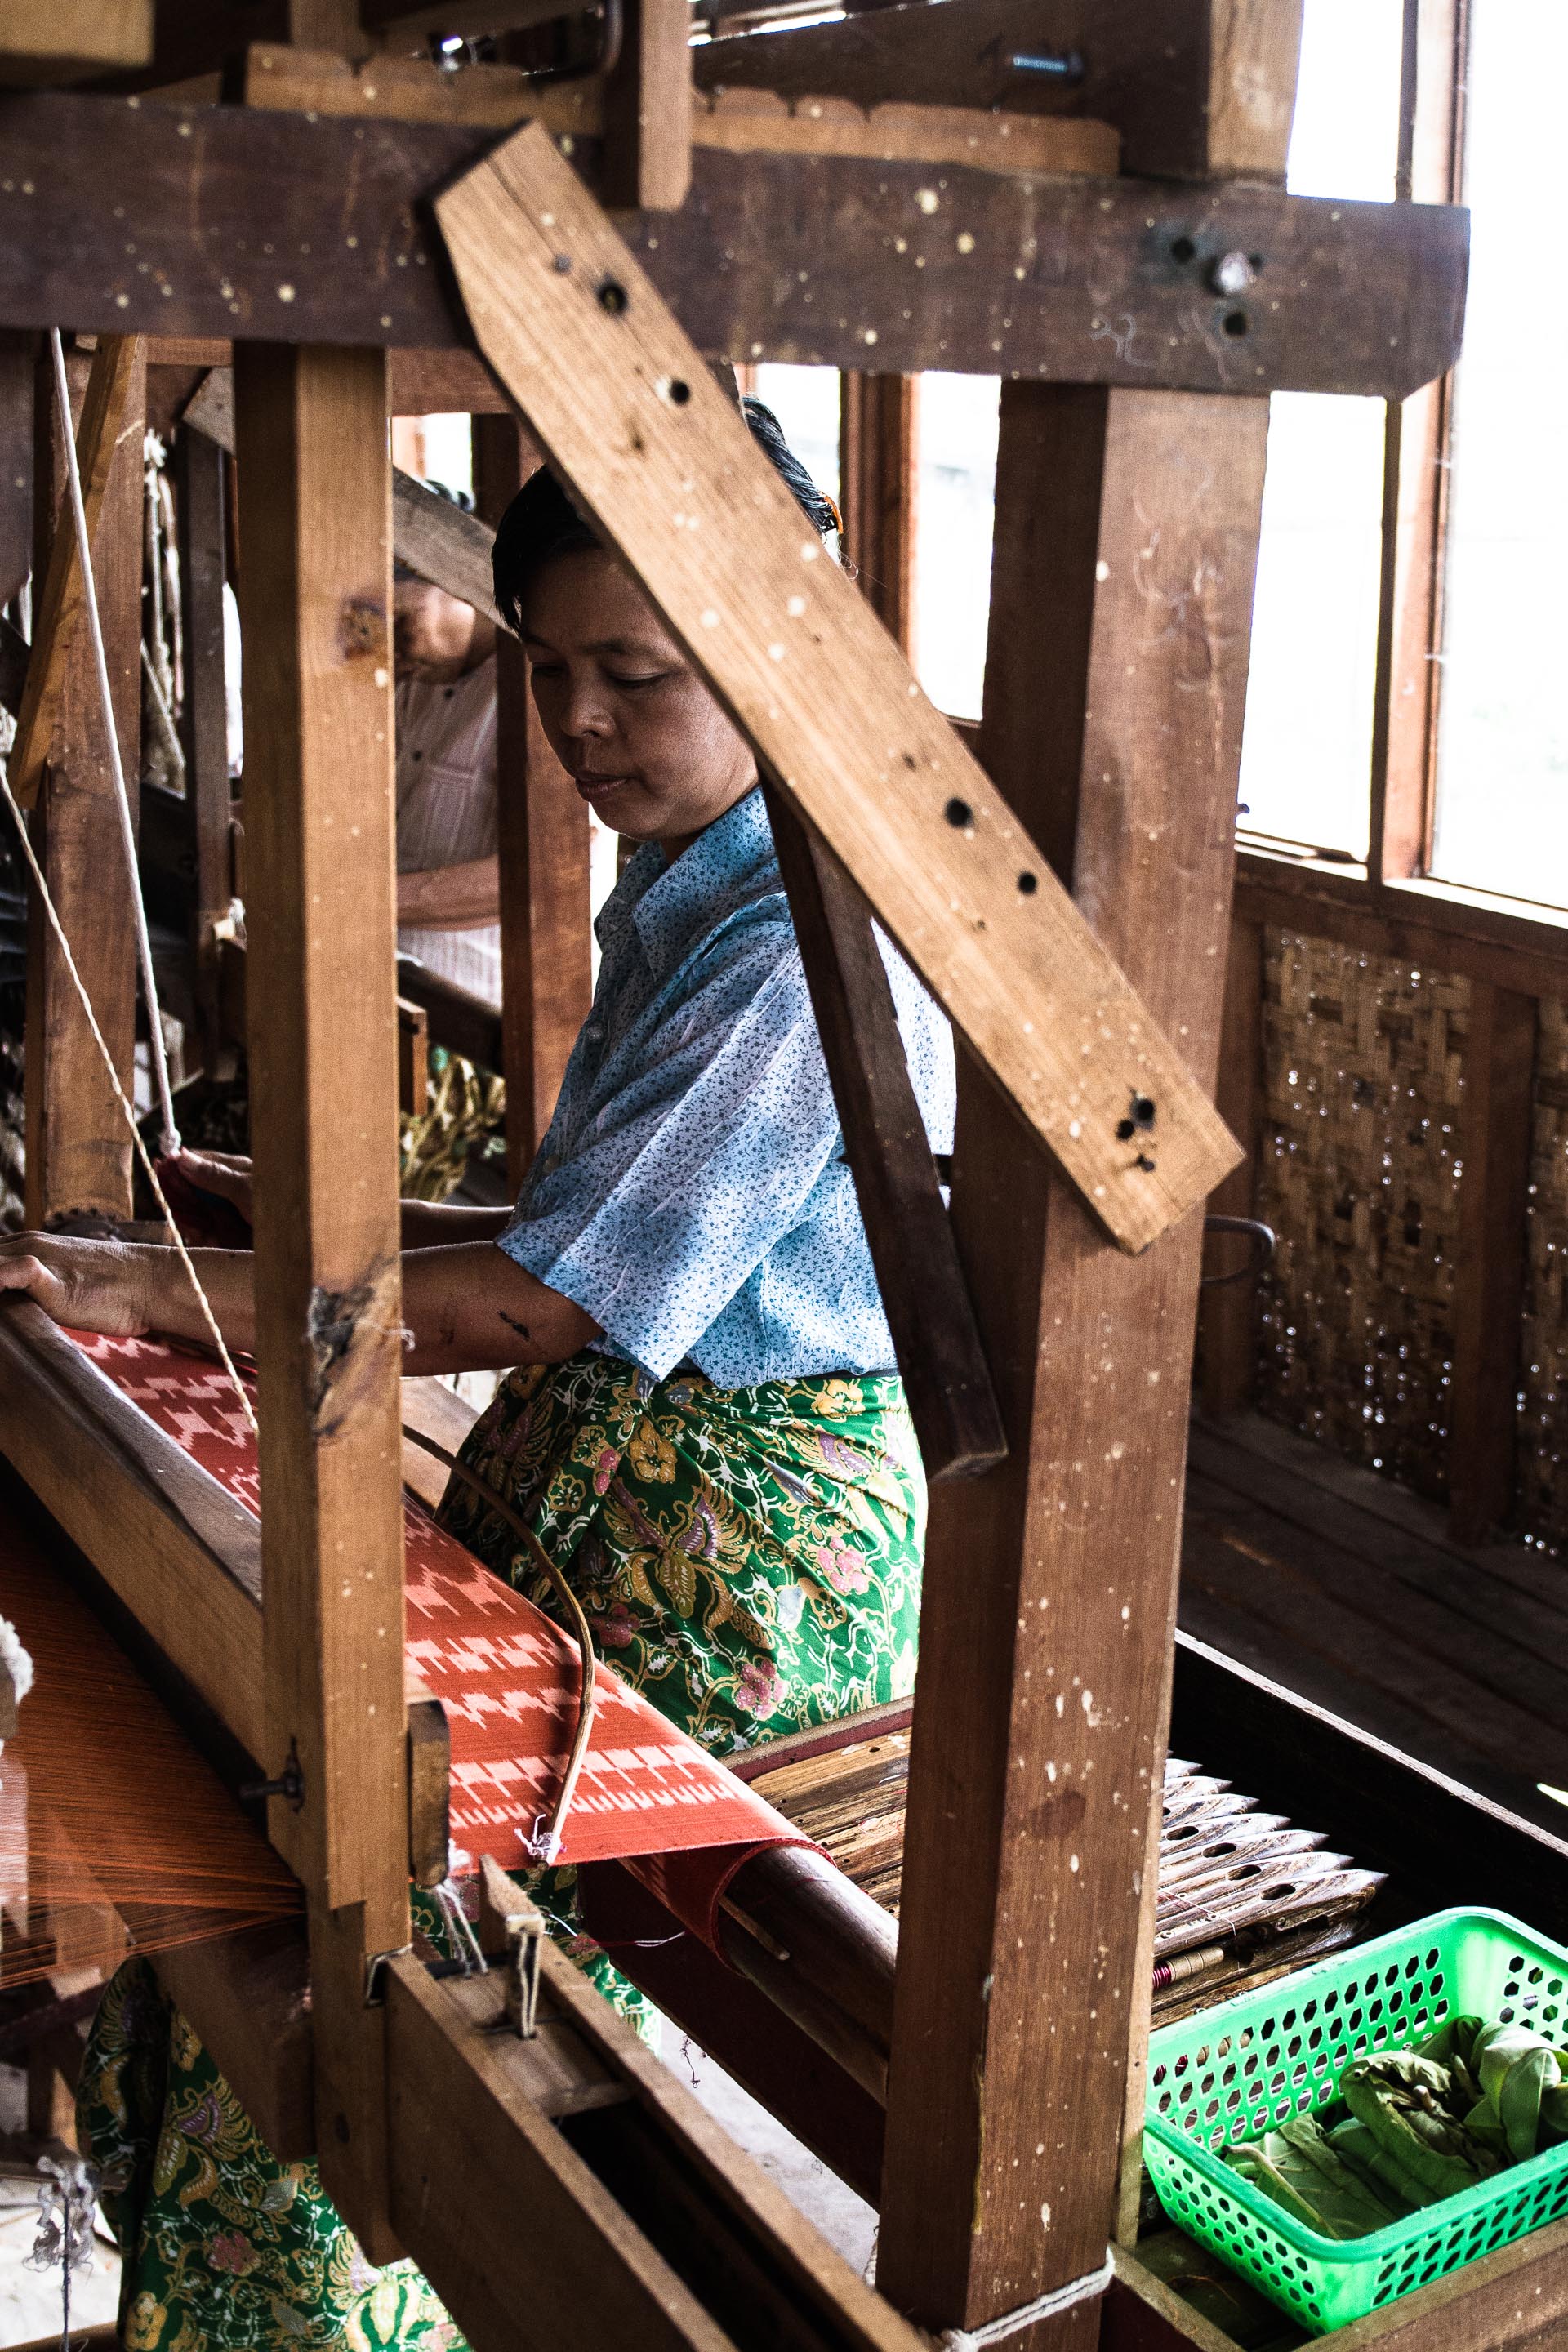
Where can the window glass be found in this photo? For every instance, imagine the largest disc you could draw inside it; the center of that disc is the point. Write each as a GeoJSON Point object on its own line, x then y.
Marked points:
{"type": "Point", "coordinates": [955, 492]}
{"type": "Point", "coordinates": [1501, 818]}
{"type": "Point", "coordinates": [806, 402]}
{"type": "Point", "coordinates": [438, 448]}
{"type": "Point", "coordinates": [1306, 766]}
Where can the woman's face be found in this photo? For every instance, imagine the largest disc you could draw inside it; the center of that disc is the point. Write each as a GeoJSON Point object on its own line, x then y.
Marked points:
{"type": "Point", "coordinates": [626, 715]}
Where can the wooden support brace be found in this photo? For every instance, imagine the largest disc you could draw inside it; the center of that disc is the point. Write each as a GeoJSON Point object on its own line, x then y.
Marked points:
{"type": "Point", "coordinates": [79, 1149]}
{"type": "Point", "coordinates": [316, 529]}
{"type": "Point", "coordinates": [16, 370]}
{"type": "Point", "coordinates": [201, 517]}
{"type": "Point", "coordinates": [1050, 1590]}
{"type": "Point", "coordinates": [547, 977]}
{"type": "Point", "coordinates": [646, 161]}
{"type": "Point", "coordinates": [110, 415]}
{"type": "Point", "coordinates": [809, 674]}
{"type": "Point", "coordinates": [912, 1247]}
{"type": "Point", "coordinates": [881, 495]}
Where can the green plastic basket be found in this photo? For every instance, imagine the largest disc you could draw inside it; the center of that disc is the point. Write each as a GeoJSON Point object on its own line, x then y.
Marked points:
{"type": "Point", "coordinates": [1262, 2057]}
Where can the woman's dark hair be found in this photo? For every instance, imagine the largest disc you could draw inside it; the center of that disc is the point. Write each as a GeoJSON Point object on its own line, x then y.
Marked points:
{"type": "Point", "coordinates": [541, 522]}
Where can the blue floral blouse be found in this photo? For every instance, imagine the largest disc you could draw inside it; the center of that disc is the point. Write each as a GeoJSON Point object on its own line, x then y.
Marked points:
{"type": "Point", "coordinates": [692, 1193]}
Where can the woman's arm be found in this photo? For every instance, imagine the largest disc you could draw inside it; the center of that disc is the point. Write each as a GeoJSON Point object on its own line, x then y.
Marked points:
{"type": "Point", "coordinates": [426, 1224]}
{"type": "Point", "coordinates": [467, 1308]}
{"type": "Point", "coordinates": [450, 898]}
{"type": "Point", "coordinates": [436, 1225]}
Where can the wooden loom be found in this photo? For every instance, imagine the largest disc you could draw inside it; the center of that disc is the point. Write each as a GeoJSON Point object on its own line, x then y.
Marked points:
{"type": "Point", "coordinates": [1006, 2042]}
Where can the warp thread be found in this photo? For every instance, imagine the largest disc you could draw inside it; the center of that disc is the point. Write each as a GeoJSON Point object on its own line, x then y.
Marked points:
{"type": "Point", "coordinates": [1045, 2306]}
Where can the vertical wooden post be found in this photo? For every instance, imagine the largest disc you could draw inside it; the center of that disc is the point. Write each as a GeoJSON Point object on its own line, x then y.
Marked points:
{"type": "Point", "coordinates": [315, 500]}
{"type": "Point", "coordinates": [1489, 1278]}
{"type": "Point", "coordinates": [1228, 1320]}
{"type": "Point", "coordinates": [877, 469]}
{"type": "Point", "coordinates": [547, 980]}
{"type": "Point", "coordinates": [1126, 542]}
{"type": "Point", "coordinates": [647, 162]}
{"type": "Point", "coordinates": [204, 729]}
{"type": "Point", "coordinates": [78, 1151]}
{"type": "Point", "coordinates": [17, 366]}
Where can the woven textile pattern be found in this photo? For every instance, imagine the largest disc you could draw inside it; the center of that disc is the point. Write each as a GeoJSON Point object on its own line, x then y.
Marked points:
{"type": "Point", "coordinates": [506, 1676]}
{"type": "Point", "coordinates": [1541, 1475]}
{"type": "Point", "coordinates": [1359, 1175]}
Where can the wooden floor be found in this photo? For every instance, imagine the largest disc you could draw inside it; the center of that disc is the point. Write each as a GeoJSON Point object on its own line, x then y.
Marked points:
{"type": "Point", "coordinates": [1346, 1588]}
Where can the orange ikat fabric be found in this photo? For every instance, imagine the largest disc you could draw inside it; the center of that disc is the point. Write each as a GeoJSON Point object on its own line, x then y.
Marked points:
{"type": "Point", "coordinates": [507, 1678]}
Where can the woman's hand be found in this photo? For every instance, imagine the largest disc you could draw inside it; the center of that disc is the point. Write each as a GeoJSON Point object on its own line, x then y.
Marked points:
{"type": "Point", "coordinates": [87, 1285]}
{"type": "Point", "coordinates": [226, 1173]}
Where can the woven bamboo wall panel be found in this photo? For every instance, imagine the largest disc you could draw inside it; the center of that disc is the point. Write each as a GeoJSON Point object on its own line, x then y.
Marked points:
{"type": "Point", "coordinates": [1358, 1174]}
{"type": "Point", "coordinates": [1540, 1479]}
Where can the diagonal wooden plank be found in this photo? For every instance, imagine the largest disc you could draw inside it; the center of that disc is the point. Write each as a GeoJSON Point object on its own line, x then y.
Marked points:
{"type": "Point", "coordinates": [929, 1314]}
{"type": "Point", "coordinates": [666, 465]}
{"type": "Point", "coordinates": [106, 414]}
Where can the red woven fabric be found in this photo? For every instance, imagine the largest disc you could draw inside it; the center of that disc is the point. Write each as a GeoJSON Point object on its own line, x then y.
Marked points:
{"type": "Point", "coordinates": [507, 1678]}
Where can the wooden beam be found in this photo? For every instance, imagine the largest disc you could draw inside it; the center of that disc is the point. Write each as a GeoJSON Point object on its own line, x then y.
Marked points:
{"type": "Point", "coordinates": [1370, 297]}
{"type": "Point", "coordinates": [73, 40]}
{"type": "Point", "coordinates": [921, 1278]}
{"type": "Point", "coordinates": [429, 534]}
{"type": "Point", "coordinates": [644, 2218]}
{"type": "Point", "coordinates": [413, 1058]}
{"type": "Point", "coordinates": [316, 528]}
{"type": "Point", "coordinates": [546, 936]}
{"type": "Point", "coordinates": [1514, 2299]}
{"type": "Point", "coordinates": [462, 2123]}
{"type": "Point", "coordinates": [742, 122]}
{"type": "Point", "coordinates": [79, 1149]}
{"type": "Point", "coordinates": [784, 640]}
{"type": "Point", "coordinates": [879, 474]}
{"type": "Point", "coordinates": [1468, 931]}
{"type": "Point", "coordinates": [111, 416]}
{"type": "Point", "coordinates": [201, 514]}
{"type": "Point", "coordinates": [647, 162]}
{"type": "Point", "coordinates": [16, 370]}
{"type": "Point", "coordinates": [1497, 1121]}
{"type": "Point", "coordinates": [1179, 80]}
{"type": "Point", "coordinates": [1227, 1319]}
{"type": "Point", "coordinates": [1050, 1591]}
{"type": "Point", "coordinates": [1416, 477]}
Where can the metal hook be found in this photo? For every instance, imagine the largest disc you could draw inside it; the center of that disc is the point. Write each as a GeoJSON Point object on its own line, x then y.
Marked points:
{"type": "Point", "coordinates": [1265, 1243]}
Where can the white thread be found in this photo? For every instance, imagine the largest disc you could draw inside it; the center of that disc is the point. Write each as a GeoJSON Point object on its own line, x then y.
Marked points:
{"type": "Point", "coordinates": [81, 986]}
{"type": "Point", "coordinates": [467, 1952]}
{"type": "Point", "coordinates": [122, 798]}
{"type": "Point", "coordinates": [1045, 2306]}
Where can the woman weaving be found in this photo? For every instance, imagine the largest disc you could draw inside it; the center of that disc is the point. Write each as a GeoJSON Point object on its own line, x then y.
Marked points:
{"type": "Point", "coordinates": [699, 1418]}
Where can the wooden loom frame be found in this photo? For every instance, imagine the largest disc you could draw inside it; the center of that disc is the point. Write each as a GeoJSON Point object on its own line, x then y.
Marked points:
{"type": "Point", "coordinates": [995, 1859]}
